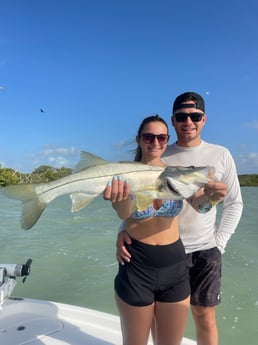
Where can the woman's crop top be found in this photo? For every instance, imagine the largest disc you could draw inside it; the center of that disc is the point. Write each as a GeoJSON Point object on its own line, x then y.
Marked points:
{"type": "Point", "coordinates": [170, 208]}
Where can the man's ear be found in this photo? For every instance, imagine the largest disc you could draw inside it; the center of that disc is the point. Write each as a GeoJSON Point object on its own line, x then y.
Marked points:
{"type": "Point", "coordinates": [204, 119]}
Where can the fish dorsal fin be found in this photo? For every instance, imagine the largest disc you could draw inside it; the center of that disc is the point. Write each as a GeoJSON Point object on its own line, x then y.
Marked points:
{"type": "Point", "coordinates": [87, 160]}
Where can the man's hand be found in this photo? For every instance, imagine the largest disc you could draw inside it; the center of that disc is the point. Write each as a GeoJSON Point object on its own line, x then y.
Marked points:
{"type": "Point", "coordinates": [122, 253]}
{"type": "Point", "coordinates": [215, 191]}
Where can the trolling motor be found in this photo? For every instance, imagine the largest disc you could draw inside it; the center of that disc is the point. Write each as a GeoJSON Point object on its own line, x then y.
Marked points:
{"type": "Point", "coordinates": [8, 274]}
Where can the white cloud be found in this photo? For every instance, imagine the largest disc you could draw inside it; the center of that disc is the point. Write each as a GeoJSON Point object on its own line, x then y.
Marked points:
{"type": "Point", "coordinates": [124, 144]}
{"type": "Point", "coordinates": [253, 124]}
{"type": "Point", "coordinates": [119, 145]}
{"type": "Point", "coordinates": [57, 157]}
{"type": "Point", "coordinates": [247, 163]}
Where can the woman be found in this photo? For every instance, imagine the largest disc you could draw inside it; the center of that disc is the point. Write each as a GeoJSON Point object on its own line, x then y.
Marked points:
{"type": "Point", "coordinates": [154, 284]}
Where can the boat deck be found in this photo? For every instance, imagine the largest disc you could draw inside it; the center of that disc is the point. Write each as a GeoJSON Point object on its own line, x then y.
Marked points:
{"type": "Point", "coordinates": [36, 322]}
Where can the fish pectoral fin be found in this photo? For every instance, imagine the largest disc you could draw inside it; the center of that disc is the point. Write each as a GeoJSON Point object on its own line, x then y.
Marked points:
{"type": "Point", "coordinates": [142, 201]}
{"type": "Point", "coordinates": [80, 200]}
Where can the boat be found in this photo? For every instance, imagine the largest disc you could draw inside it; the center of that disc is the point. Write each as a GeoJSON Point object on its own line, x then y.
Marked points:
{"type": "Point", "coordinates": [39, 322]}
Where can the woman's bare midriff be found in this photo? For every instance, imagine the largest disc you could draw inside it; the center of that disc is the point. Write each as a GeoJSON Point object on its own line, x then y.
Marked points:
{"type": "Point", "coordinates": [154, 230]}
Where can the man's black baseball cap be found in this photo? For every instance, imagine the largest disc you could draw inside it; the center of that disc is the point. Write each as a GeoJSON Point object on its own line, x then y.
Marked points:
{"type": "Point", "coordinates": [189, 96]}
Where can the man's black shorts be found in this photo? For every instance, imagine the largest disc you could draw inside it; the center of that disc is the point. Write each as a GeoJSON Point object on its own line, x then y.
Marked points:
{"type": "Point", "coordinates": [205, 277]}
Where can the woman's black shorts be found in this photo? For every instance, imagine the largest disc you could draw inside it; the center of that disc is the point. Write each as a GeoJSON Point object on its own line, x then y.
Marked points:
{"type": "Point", "coordinates": [155, 273]}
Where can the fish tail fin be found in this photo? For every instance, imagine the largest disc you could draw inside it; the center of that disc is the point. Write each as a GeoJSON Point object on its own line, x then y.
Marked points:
{"type": "Point", "coordinates": [32, 206]}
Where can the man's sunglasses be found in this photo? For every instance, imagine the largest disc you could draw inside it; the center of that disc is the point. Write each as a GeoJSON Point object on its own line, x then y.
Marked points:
{"type": "Point", "coordinates": [182, 117]}
{"type": "Point", "coordinates": [149, 138]}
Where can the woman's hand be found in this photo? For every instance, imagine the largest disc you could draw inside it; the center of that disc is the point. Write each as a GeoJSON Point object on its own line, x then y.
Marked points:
{"type": "Point", "coordinates": [117, 190]}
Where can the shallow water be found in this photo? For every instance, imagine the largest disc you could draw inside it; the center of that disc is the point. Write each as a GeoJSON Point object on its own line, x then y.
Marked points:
{"type": "Point", "coordinates": [74, 261]}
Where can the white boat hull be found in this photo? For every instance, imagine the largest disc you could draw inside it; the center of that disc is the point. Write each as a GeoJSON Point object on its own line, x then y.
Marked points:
{"type": "Point", "coordinates": [36, 322]}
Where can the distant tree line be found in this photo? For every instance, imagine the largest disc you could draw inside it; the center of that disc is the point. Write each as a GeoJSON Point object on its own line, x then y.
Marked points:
{"type": "Point", "coordinates": [248, 180]}
{"type": "Point", "coordinates": [46, 173]}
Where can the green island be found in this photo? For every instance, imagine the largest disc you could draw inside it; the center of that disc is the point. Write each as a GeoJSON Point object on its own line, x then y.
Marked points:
{"type": "Point", "coordinates": [46, 173]}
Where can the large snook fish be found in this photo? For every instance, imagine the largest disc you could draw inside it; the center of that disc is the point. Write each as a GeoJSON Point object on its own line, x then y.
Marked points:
{"type": "Point", "coordinates": [91, 176]}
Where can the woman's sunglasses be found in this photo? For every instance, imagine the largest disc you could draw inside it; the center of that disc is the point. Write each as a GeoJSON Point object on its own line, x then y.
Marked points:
{"type": "Point", "coordinates": [182, 117]}
{"type": "Point", "coordinates": [149, 138]}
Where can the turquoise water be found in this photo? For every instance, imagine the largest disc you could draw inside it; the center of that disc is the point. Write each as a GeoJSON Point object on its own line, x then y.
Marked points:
{"type": "Point", "coordinates": [74, 261]}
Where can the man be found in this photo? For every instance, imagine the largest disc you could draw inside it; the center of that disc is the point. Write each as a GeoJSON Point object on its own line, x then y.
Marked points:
{"type": "Point", "coordinates": [204, 242]}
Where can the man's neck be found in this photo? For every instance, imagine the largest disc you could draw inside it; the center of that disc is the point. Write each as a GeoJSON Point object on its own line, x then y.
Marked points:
{"type": "Point", "coordinates": [192, 143]}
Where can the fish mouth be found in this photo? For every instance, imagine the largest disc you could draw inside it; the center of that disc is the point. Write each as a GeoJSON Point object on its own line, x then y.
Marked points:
{"type": "Point", "coordinates": [172, 189]}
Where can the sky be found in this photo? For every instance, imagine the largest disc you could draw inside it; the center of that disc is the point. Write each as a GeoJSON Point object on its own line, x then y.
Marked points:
{"type": "Point", "coordinates": [80, 75]}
